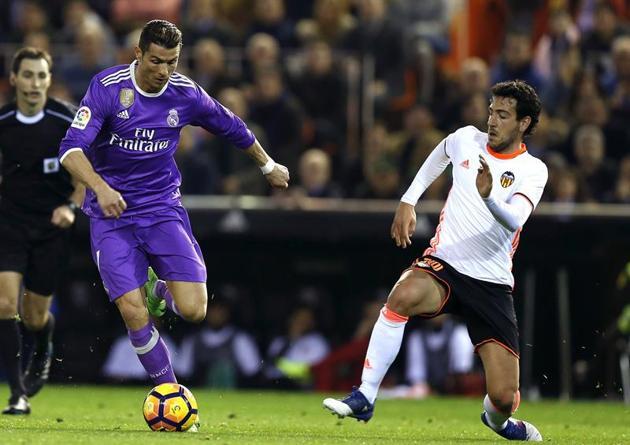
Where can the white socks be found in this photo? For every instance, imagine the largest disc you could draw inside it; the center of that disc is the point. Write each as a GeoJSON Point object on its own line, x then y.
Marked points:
{"type": "Point", "coordinates": [384, 345]}
{"type": "Point", "coordinates": [497, 420]}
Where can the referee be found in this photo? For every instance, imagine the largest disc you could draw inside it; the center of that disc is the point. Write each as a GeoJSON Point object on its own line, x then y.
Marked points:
{"type": "Point", "coordinates": [37, 205]}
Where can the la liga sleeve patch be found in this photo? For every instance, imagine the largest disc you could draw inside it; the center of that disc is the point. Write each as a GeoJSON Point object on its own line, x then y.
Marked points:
{"type": "Point", "coordinates": [82, 118]}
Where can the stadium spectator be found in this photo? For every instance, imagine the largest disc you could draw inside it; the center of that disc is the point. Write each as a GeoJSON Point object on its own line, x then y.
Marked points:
{"type": "Point", "coordinates": [466, 270]}
{"type": "Point", "coordinates": [209, 67]}
{"type": "Point", "coordinates": [517, 62]}
{"type": "Point", "coordinates": [279, 113]}
{"type": "Point", "coordinates": [92, 54]}
{"type": "Point", "coordinates": [321, 89]}
{"type": "Point", "coordinates": [269, 17]}
{"type": "Point", "coordinates": [290, 356]}
{"type": "Point", "coordinates": [341, 368]}
{"type": "Point", "coordinates": [262, 52]}
{"type": "Point", "coordinates": [330, 22]}
{"type": "Point", "coordinates": [439, 358]}
{"type": "Point", "coordinates": [473, 78]}
{"type": "Point", "coordinates": [221, 355]}
{"type": "Point", "coordinates": [417, 139]}
{"type": "Point", "coordinates": [37, 203]}
{"type": "Point", "coordinates": [237, 175]}
{"type": "Point", "coordinates": [315, 176]}
{"type": "Point", "coordinates": [30, 17]}
{"type": "Point", "coordinates": [595, 172]}
{"type": "Point", "coordinates": [201, 21]}
{"type": "Point", "coordinates": [135, 223]}
{"type": "Point", "coordinates": [126, 15]}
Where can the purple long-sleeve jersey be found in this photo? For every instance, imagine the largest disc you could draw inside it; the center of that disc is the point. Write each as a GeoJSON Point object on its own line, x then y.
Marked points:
{"type": "Point", "coordinates": [130, 136]}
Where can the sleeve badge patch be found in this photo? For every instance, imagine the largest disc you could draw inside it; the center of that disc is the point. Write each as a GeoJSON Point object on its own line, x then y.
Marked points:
{"type": "Point", "coordinates": [82, 118]}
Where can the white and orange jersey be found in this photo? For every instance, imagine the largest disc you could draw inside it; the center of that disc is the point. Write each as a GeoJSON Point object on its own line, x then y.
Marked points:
{"type": "Point", "coordinates": [468, 236]}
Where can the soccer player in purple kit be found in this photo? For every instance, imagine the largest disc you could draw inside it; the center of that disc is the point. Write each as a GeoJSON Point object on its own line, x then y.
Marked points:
{"type": "Point", "coordinates": [121, 146]}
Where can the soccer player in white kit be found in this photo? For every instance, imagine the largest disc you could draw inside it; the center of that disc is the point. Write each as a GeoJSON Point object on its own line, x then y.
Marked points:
{"type": "Point", "coordinates": [467, 268]}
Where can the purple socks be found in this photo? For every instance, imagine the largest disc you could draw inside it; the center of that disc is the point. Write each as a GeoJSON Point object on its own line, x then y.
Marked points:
{"type": "Point", "coordinates": [153, 354]}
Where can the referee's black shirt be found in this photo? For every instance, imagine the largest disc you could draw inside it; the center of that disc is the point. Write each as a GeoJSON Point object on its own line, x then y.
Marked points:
{"type": "Point", "coordinates": [33, 181]}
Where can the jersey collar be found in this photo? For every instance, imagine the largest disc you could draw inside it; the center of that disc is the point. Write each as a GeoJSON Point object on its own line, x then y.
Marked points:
{"type": "Point", "coordinates": [29, 120]}
{"type": "Point", "coordinates": [520, 151]}
{"type": "Point", "coordinates": [132, 68]}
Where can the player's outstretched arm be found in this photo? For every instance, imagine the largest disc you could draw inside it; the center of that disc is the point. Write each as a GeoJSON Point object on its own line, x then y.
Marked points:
{"type": "Point", "coordinates": [110, 201]}
{"type": "Point", "coordinates": [277, 175]}
{"type": "Point", "coordinates": [404, 224]}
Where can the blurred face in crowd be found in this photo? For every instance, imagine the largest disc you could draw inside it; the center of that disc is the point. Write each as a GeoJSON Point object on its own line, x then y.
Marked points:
{"type": "Point", "coordinates": [504, 129]}
{"type": "Point", "coordinates": [269, 12]}
{"type": "Point", "coordinates": [589, 148]}
{"type": "Point", "coordinates": [319, 58]}
{"type": "Point", "coordinates": [209, 57]}
{"type": "Point", "coordinates": [474, 76]}
{"type": "Point", "coordinates": [314, 169]}
{"type": "Point", "coordinates": [517, 51]}
{"type": "Point", "coordinates": [31, 84]}
{"type": "Point", "coordinates": [155, 66]}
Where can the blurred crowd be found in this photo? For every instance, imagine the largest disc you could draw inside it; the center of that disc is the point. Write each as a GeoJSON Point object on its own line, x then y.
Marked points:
{"type": "Point", "coordinates": [352, 95]}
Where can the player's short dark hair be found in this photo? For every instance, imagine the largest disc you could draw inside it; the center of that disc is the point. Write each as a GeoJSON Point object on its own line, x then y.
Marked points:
{"type": "Point", "coordinates": [29, 52]}
{"type": "Point", "coordinates": [160, 32]}
{"type": "Point", "coordinates": [527, 101]}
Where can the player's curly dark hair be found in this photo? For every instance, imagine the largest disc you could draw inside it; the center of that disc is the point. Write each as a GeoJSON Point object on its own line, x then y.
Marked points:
{"type": "Point", "coordinates": [527, 101]}
{"type": "Point", "coordinates": [160, 32]}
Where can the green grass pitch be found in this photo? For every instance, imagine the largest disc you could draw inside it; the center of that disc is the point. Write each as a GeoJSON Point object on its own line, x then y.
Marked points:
{"type": "Point", "coordinates": [113, 415]}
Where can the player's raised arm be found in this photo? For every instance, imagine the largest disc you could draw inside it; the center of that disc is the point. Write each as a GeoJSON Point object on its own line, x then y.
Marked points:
{"type": "Point", "coordinates": [404, 223]}
{"type": "Point", "coordinates": [276, 174]}
{"type": "Point", "coordinates": [110, 201]}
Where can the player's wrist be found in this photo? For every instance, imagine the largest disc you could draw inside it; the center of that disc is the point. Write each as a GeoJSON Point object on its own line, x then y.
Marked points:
{"type": "Point", "coordinates": [72, 205]}
{"type": "Point", "coordinates": [268, 167]}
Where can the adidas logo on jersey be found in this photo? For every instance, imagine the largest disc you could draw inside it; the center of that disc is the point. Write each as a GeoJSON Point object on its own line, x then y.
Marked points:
{"type": "Point", "coordinates": [123, 114]}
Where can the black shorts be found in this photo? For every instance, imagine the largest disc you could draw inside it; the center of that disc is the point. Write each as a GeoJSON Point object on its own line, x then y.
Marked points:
{"type": "Point", "coordinates": [39, 253]}
{"type": "Point", "coordinates": [486, 308]}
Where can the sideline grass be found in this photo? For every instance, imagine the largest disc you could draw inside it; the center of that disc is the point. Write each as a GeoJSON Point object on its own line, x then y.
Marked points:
{"type": "Point", "coordinates": [112, 415]}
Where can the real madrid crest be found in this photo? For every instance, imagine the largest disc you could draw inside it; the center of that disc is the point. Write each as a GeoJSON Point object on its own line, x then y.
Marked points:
{"type": "Point", "coordinates": [507, 178]}
{"type": "Point", "coordinates": [173, 118]}
{"type": "Point", "coordinates": [126, 97]}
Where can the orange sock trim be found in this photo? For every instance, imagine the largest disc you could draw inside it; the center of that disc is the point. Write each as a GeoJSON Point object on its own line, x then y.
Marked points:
{"type": "Point", "coordinates": [393, 316]}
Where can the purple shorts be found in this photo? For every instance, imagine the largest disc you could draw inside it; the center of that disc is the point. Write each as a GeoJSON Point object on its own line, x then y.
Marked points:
{"type": "Point", "coordinates": [124, 248]}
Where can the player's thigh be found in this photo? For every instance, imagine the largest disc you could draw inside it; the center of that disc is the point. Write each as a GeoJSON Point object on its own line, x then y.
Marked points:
{"type": "Point", "coordinates": [10, 283]}
{"type": "Point", "coordinates": [132, 308]}
{"type": "Point", "coordinates": [191, 298]}
{"type": "Point", "coordinates": [172, 249]}
{"type": "Point", "coordinates": [119, 256]}
{"type": "Point", "coordinates": [34, 309]}
{"type": "Point", "coordinates": [502, 373]}
{"type": "Point", "coordinates": [416, 293]}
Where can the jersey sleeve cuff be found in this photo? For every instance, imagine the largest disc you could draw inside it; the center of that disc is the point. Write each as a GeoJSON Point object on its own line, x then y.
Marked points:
{"type": "Point", "coordinates": [63, 156]}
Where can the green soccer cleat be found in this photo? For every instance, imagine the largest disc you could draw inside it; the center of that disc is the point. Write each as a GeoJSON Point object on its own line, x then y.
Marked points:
{"type": "Point", "coordinates": [155, 304]}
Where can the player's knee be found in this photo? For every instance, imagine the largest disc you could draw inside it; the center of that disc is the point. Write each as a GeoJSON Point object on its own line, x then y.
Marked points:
{"type": "Point", "coordinates": [193, 313]}
{"type": "Point", "coordinates": [8, 308]}
{"type": "Point", "coordinates": [34, 321]}
{"type": "Point", "coordinates": [403, 299]}
{"type": "Point", "coordinates": [505, 399]}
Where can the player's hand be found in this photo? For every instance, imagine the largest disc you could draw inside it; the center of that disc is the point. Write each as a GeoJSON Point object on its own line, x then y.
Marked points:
{"type": "Point", "coordinates": [404, 224]}
{"type": "Point", "coordinates": [63, 217]}
{"type": "Point", "coordinates": [110, 201]}
{"type": "Point", "coordinates": [484, 178]}
{"type": "Point", "coordinates": [278, 177]}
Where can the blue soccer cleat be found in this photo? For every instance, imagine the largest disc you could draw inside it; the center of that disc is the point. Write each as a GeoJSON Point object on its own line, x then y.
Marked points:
{"type": "Point", "coordinates": [354, 405]}
{"type": "Point", "coordinates": [516, 430]}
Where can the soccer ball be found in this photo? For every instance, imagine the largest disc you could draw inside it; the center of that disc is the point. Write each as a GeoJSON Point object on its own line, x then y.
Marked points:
{"type": "Point", "coordinates": [170, 407]}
